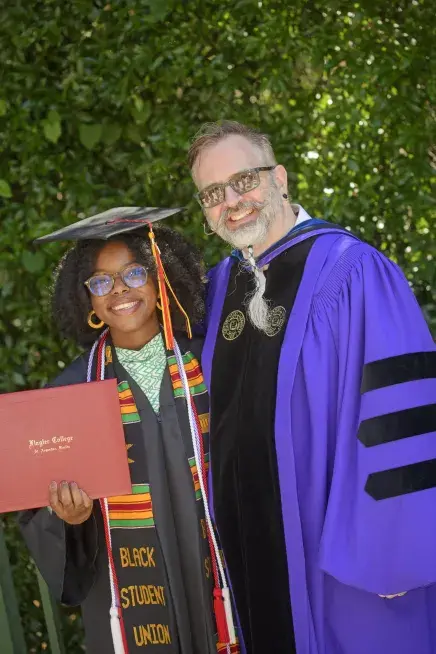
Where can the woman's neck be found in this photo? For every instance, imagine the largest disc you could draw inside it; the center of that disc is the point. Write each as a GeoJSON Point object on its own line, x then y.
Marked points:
{"type": "Point", "coordinates": [135, 340]}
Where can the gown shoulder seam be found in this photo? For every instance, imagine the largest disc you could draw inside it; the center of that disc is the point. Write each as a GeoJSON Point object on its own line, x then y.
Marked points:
{"type": "Point", "coordinates": [340, 271]}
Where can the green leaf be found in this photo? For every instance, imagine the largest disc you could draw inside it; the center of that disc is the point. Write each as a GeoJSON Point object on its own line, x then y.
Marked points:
{"type": "Point", "coordinates": [90, 135]}
{"type": "Point", "coordinates": [5, 189]}
{"type": "Point", "coordinates": [3, 107]}
{"type": "Point", "coordinates": [33, 262]}
{"type": "Point", "coordinates": [53, 116]}
{"type": "Point", "coordinates": [52, 131]}
{"type": "Point", "coordinates": [52, 126]}
{"type": "Point", "coordinates": [111, 133]}
{"type": "Point", "coordinates": [157, 62]}
{"type": "Point", "coordinates": [133, 134]}
{"type": "Point", "coordinates": [158, 9]}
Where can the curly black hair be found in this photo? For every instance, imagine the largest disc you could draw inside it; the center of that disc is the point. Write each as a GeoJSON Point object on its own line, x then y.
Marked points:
{"type": "Point", "coordinates": [183, 265]}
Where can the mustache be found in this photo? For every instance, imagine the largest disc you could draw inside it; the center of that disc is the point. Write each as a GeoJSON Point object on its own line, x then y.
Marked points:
{"type": "Point", "coordinates": [242, 205]}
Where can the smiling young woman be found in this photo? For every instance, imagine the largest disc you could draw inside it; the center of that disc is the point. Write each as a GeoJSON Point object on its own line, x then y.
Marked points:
{"type": "Point", "coordinates": [123, 295]}
{"type": "Point", "coordinates": [169, 589]}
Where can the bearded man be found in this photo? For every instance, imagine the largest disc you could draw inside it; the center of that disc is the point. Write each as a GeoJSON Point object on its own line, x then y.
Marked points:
{"type": "Point", "coordinates": [323, 419]}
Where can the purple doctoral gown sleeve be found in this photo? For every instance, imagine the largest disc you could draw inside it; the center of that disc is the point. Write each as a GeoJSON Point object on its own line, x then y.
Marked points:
{"type": "Point", "coordinates": [379, 532]}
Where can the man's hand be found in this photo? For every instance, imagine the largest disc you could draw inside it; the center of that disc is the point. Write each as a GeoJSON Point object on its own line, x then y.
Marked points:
{"type": "Point", "coordinates": [70, 503]}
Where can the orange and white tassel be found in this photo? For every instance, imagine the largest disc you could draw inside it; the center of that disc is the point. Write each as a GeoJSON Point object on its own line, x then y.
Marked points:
{"type": "Point", "coordinates": [165, 304]}
{"type": "Point", "coordinates": [117, 634]}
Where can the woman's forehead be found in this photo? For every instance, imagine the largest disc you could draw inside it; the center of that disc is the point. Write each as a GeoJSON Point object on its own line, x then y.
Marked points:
{"type": "Point", "coordinates": [113, 256]}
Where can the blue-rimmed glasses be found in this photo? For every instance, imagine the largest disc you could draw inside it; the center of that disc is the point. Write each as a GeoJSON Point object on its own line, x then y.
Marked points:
{"type": "Point", "coordinates": [134, 275]}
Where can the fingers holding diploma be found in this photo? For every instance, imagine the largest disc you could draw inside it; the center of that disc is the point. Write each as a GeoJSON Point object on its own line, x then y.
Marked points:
{"type": "Point", "coordinates": [70, 503]}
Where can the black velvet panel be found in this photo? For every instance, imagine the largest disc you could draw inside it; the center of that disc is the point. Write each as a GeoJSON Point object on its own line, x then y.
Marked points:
{"type": "Point", "coordinates": [243, 457]}
{"type": "Point", "coordinates": [398, 370]}
{"type": "Point", "coordinates": [401, 481]}
{"type": "Point", "coordinates": [398, 425]}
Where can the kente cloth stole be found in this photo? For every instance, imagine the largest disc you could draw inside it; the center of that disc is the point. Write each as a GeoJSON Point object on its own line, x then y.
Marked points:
{"type": "Point", "coordinates": [142, 579]}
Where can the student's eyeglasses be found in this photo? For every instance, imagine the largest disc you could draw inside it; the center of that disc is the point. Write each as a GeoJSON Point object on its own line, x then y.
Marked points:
{"type": "Point", "coordinates": [133, 276]}
{"type": "Point", "coordinates": [241, 183]}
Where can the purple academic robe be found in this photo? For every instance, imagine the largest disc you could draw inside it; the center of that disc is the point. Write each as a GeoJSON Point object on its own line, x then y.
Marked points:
{"type": "Point", "coordinates": [352, 534]}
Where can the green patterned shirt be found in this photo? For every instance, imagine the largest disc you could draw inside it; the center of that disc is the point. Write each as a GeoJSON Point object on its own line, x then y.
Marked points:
{"type": "Point", "coordinates": [146, 366]}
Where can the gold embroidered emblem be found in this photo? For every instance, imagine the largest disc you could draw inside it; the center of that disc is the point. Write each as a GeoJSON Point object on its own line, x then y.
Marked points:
{"type": "Point", "coordinates": [276, 320]}
{"type": "Point", "coordinates": [233, 325]}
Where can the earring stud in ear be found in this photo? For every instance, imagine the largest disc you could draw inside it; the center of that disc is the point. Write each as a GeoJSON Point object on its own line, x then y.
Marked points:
{"type": "Point", "coordinates": [285, 195]}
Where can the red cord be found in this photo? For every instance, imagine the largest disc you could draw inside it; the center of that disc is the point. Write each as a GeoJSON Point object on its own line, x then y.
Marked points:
{"type": "Point", "coordinates": [100, 354]}
{"type": "Point", "coordinates": [203, 472]}
{"type": "Point", "coordinates": [219, 609]}
{"type": "Point", "coordinates": [114, 574]}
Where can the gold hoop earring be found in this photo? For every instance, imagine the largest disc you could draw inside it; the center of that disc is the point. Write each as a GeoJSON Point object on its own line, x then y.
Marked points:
{"type": "Point", "coordinates": [93, 324]}
{"type": "Point", "coordinates": [159, 306]}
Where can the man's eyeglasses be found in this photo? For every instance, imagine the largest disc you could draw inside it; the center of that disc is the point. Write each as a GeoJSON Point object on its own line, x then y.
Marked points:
{"type": "Point", "coordinates": [241, 183]}
{"type": "Point", "coordinates": [133, 276]}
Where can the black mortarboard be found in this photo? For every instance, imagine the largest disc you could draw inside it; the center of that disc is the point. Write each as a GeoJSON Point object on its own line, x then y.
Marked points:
{"type": "Point", "coordinates": [109, 223]}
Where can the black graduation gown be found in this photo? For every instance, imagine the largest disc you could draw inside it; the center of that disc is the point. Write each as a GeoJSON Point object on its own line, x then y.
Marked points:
{"type": "Point", "coordinates": [163, 561]}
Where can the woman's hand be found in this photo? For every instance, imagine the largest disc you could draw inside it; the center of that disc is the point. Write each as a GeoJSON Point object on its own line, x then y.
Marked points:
{"type": "Point", "coordinates": [70, 503]}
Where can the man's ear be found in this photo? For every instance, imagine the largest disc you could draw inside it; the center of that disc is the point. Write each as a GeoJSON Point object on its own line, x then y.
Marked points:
{"type": "Point", "coordinates": [281, 177]}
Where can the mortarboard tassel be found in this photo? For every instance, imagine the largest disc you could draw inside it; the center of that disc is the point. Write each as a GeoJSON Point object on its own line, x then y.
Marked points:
{"type": "Point", "coordinates": [166, 316]}
{"type": "Point", "coordinates": [117, 635]}
{"type": "Point", "coordinates": [188, 323]}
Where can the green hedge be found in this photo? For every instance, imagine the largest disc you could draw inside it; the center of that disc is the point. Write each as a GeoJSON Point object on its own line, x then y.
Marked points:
{"type": "Point", "coordinates": [98, 102]}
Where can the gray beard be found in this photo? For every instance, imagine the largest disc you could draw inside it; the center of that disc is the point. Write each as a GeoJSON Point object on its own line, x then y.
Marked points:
{"type": "Point", "coordinates": [247, 234]}
{"type": "Point", "coordinates": [252, 233]}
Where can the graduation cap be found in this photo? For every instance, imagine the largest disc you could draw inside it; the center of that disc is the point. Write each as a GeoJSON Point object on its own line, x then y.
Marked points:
{"type": "Point", "coordinates": [109, 223]}
{"type": "Point", "coordinates": [118, 221]}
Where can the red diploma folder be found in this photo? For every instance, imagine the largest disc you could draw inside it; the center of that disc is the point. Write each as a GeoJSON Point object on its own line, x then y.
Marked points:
{"type": "Point", "coordinates": [69, 433]}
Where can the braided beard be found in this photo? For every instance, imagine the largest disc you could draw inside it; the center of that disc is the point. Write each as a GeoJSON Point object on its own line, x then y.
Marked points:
{"type": "Point", "coordinates": [258, 308]}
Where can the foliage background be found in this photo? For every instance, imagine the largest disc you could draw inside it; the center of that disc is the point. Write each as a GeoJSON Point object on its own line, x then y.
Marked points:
{"type": "Point", "coordinates": [98, 102]}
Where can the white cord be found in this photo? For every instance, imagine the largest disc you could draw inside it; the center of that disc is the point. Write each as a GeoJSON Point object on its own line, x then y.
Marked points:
{"type": "Point", "coordinates": [90, 361]}
{"type": "Point", "coordinates": [91, 358]}
{"type": "Point", "coordinates": [111, 577]}
{"type": "Point", "coordinates": [115, 624]}
{"type": "Point", "coordinates": [199, 463]}
{"type": "Point", "coordinates": [102, 369]}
